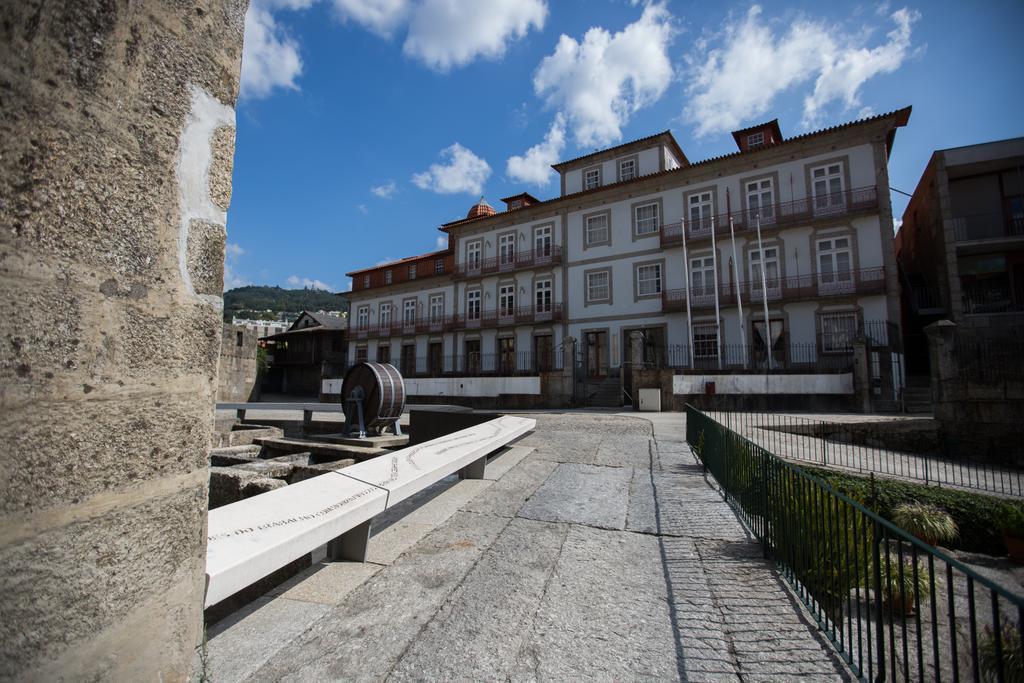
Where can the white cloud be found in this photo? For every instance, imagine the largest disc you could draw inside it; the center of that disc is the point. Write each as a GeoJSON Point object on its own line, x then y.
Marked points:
{"type": "Point", "coordinates": [846, 71]}
{"type": "Point", "coordinates": [602, 81]}
{"type": "Point", "coordinates": [270, 57]}
{"type": "Point", "coordinates": [463, 172]}
{"type": "Point", "coordinates": [534, 167]}
{"type": "Point", "coordinates": [386, 190]}
{"type": "Point", "coordinates": [305, 282]}
{"type": "Point", "coordinates": [738, 81]}
{"type": "Point", "coordinates": [362, 209]}
{"type": "Point", "coordinates": [378, 16]}
{"type": "Point", "coordinates": [232, 279]}
{"type": "Point", "coordinates": [451, 33]}
{"type": "Point", "coordinates": [442, 242]}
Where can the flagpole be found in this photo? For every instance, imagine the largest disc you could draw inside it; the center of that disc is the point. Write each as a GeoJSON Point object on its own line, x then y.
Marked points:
{"type": "Point", "coordinates": [686, 291]}
{"type": "Point", "coordinates": [718, 317]}
{"type": "Point", "coordinates": [764, 294]}
{"type": "Point", "coordinates": [736, 285]}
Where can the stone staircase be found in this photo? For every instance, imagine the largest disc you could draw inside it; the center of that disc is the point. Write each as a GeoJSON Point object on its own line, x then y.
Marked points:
{"type": "Point", "coordinates": [602, 393]}
{"type": "Point", "coordinates": [917, 395]}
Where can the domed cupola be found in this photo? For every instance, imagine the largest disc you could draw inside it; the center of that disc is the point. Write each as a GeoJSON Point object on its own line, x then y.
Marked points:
{"type": "Point", "coordinates": [481, 208]}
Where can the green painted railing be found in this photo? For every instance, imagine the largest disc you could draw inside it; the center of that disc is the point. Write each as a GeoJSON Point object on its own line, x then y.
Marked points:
{"type": "Point", "coordinates": [894, 607]}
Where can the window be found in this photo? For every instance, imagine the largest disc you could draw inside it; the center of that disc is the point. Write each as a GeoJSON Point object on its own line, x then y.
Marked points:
{"type": "Point", "coordinates": [507, 250]}
{"type": "Point", "coordinates": [506, 301]}
{"type": "Point", "coordinates": [361, 354]}
{"type": "Point", "coordinates": [627, 169]}
{"type": "Point", "coordinates": [507, 355]}
{"type": "Point", "coordinates": [436, 307]}
{"type": "Point", "coordinates": [239, 336]}
{"type": "Point", "coordinates": [472, 356]}
{"type": "Point", "coordinates": [834, 266]}
{"type": "Point", "coordinates": [473, 304]}
{"type": "Point", "coordinates": [645, 218]}
{"type": "Point", "coordinates": [438, 266]}
{"type": "Point", "coordinates": [542, 241]}
{"type": "Point", "coordinates": [591, 178]}
{"type": "Point", "coordinates": [705, 340]}
{"type": "Point", "coordinates": [542, 296]}
{"type": "Point", "coordinates": [598, 286]}
{"type": "Point", "coordinates": [597, 229]}
{"type": "Point", "coordinates": [544, 352]}
{"type": "Point", "coordinates": [755, 140]}
{"type": "Point", "coordinates": [383, 353]}
{"type": "Point", "coordinates": [648, 280]}
{"type": "Point", "coordinates": [699, 208]}
{"type": "Point", "coordinates": [366, 282]}
{"type": "Point", "coordinates": [702, 279]}
{"type": "Point", "coordinates": [838, 331]}
{"type": "Point", "coordinates": [761, 201]}
{"type": "Point", "coordinates": [363, 317]}
{"type": "Point", "coordinates": [387, 277]}
{"type": "Point", "coordinates": [412, 272]}
{"type": "Point", "coordinates": [474, 251]}
{"type": "Point", "coordinates": [409, 312]}
{"type": "Point", "coordinates": [515, 204]}
{"type": "Point", "coordinates": [827, 187]}
{"type": "Point", "coordinates": [770, 263]}
{"type": "Point", "coordinates": [385, 315]}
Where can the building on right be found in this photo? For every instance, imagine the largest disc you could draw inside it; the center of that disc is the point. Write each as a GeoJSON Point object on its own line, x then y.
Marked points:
{"type": "Point", "coordinates": [960, 249]}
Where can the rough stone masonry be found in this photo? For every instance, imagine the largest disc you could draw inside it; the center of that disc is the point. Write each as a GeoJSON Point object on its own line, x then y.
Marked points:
{"type": "Point", "coordinates": [117, 121]}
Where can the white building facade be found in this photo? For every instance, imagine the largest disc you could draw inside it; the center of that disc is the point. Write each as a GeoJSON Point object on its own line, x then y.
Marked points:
{"type": "Point", "coordinates": [692, 255]}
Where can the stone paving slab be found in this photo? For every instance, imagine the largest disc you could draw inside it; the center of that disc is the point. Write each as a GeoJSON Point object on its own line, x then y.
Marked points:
{"type": "Point", "coordinates": [508, 495]}
{"type": "Point", "coordinates": [583, 494]}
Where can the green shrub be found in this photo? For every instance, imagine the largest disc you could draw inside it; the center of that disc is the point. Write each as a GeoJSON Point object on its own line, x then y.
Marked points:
{"type": "Point", "coordinates": [1012, 654]}
{"type": "Point", "coordinates": [1013, 519]}
{"type": "Point", "coordinates": [899, 587]}
{"type": "Point", "coordinates": [981, 518]}
{"type": "Point", "coordinates": [931, 524]}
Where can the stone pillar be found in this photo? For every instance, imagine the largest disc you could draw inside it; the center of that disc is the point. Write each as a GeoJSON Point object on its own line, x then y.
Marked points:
{"type": "Point", "coordinates": [861, 376]}
{"type": "Point", "coordinates": [118, 135]}
{"type": "Point", "coordinates": [636, 364]}
{"type": "Point", "coordinates": [944, 367]}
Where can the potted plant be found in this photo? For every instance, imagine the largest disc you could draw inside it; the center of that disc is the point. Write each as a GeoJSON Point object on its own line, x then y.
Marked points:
{"type": "Point", "coordinates": [1013, 531]}
{"type": "Point", "coordinates": [899, 588]}
{"type": "Point", "coordinates": [1011, 660]}
{"type": "Point", "coordinates": [931, 524]}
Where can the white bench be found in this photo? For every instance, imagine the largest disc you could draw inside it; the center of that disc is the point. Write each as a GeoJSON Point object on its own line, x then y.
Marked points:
{"type": "Point", "coordinates": [254, 537]}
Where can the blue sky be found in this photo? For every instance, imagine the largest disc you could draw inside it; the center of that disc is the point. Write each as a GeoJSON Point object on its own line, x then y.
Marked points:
{"type": "Point", "coordinates": [364, 124]}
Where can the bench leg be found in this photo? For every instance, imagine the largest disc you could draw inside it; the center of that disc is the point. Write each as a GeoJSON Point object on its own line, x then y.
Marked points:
{"type": "Point", "coordinates": [307, 416]}
{"type": "Point", "coordinates": [351, 545]}
{"type": "Point", "coordinates": [474, 470]}
{"type": "Point", "coordinates": [240, 413]}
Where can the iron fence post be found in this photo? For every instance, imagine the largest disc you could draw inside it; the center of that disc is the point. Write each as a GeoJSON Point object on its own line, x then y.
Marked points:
{"type": "Point", "coordinates": [876, 556]}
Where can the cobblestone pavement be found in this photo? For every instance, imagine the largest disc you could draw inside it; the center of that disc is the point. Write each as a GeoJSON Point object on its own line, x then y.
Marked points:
{"type": "Point", "coordinates": [764, 429]}
{"type": "Point", "coordinates": [594, 551]}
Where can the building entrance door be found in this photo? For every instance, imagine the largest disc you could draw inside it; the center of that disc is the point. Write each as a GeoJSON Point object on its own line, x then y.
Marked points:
{"type": "Point", "coordinates": [434, 358]}
{"type": "Point", "coordinates": [597, 353]}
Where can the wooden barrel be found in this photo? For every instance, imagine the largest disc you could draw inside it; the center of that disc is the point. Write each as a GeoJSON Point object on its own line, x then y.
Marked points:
{"type": "Point", "coordinates": [383, 394]}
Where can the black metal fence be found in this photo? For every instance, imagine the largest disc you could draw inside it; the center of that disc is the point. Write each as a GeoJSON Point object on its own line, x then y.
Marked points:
{"type": "Point", "coordinates": [990, 354]}
{"type": "Point", "coordinates": [894, 607]}
{"type": "Point", "coordinates": [755, 358]}
{"type": "Point", "coordinates": [855, 446]}
{"type": "Point", "coordinates": [518, 363]}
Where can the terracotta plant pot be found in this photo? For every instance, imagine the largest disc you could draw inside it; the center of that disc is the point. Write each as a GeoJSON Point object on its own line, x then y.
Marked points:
{"type": "Point", "coordinates": [1014, 546]}
{"type": "Point", "coordinates": [900, 604]}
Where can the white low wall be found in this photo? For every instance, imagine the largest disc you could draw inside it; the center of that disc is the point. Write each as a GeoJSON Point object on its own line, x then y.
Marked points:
{"type": "Point", "coordinates": [765, 384]}
{"type": "Point", "coordinates": [458, 386]}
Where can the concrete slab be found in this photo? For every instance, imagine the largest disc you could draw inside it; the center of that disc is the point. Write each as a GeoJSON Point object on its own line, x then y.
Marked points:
{"type": "Point", "coordinates": [508, 495]}
{"type": "Point", "coordinates": [326, 583]}
{"type": "Point", "coordinates": [671, 505]}
{"type": "Point", "coordinates": [239, 645]}
{"type": "Point", "coordinates": [367, 633]}
{"type": "Point", "coordinates": [488, 617]}
{"type": "Point", "coordinates": [625, 451]}
{"type": "Point", "coordinates": [583, 494]}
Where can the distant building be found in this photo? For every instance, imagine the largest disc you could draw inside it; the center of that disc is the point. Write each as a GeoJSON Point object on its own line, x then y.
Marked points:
{"type": "Point", "coordinates": [961, 245]}
{"type": "Point", "coordinates": [311, 349]}
{"type": "Point", "coordinates": [262, 328]}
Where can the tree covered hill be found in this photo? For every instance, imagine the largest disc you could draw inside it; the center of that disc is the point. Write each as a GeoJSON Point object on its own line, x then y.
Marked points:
{"type": "Point", "coordinates": [257, 300]}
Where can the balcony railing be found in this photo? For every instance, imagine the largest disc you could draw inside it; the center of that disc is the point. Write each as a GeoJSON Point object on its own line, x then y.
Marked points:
{"type": "Point", "coordinates": [801, 287]}
{"type": "Point", "coordinates": [775, 215]}
{"type": "Point", "coordinates": [527, 315]}
{"type": "Point", "coordinates": [533, 258]}
{"type": "Point", "coordinates": [510, 363]}
{"type": "Point", "coordinates": [418, 325]}
{"type": "Point", "coordinates": [987, 226]}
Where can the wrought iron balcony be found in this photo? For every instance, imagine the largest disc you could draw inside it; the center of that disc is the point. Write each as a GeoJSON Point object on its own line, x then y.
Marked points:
{"type": "Point", "coordinates": [798, 288]}
{"type": "Point", "coordinates": [526, 315]}
{"type": "Point", "coordinates": [534, 258]}
{"type": "Point", "coordinates": [796, 212]}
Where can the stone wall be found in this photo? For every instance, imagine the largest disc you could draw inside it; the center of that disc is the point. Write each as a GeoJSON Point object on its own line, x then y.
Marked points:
{"type": "Point", "coordinates": [118, 139]}
{"type": "Point", "coordinates": [236, 366]}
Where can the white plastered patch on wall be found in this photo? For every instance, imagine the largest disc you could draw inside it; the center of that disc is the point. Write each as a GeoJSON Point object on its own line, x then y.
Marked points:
{"type": "Point", "coordinates": [195, 153]}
